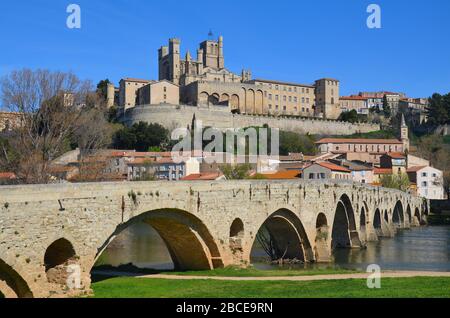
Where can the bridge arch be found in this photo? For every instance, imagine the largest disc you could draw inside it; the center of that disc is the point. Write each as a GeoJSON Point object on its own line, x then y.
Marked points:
{"type": "Point", "coordinates": [417, 217]}
{"type": "Point", "coordinates": [377, 221]}
{"type": "Point", "coordinates": [344, 232]}
{"type": "Point", "coordinates": [58, 256]}
{"type": "Point", "coordinates": [13, 281]}
{"type": "Point", "coordinates": [188, 240]}
{"type": "Point", "coordinates": [237, 228]}
{"type": "Point", "coordinates": [386, 216]}
{"type": "Point", "coordinates": [321, 251]}
{"type": "Point", "coordinates": [409, 215]}
{"type": "Point", "coordinates": [363, 221]}
{"type": "Point", "coordinates": [398, 217]}
{"type": "Point", "coordinates": [287, 236]}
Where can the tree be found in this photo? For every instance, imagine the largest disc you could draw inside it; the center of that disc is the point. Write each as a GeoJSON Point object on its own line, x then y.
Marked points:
{"type": "Point", "coordinates": [349, 116]}
{"type": "Point", "coordinates": [50, 104]}
{"type": "Point", "coordinates": [291, 142]}
{"type": "Point", "coordinates": [439, 109]}
{"type": "Point", "coordinates": [59, 112]}
{"type": "Point", "coordinates": [141, 136]}
{"type": "Point", "coordinates": [386, 107]}
{"type": "Point", "coordinates": [396, 181]}
{"type": "Point", "coordinates": [236, 172]}
{"type": "Point", "coordinates": [102, 88]}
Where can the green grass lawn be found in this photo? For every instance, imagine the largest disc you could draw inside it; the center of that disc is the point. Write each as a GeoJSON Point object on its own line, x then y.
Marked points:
{"type": "Point", "coordinates": [127, 287]}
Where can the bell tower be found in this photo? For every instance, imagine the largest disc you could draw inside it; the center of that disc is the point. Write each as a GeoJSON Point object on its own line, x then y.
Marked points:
{"type": "Point", "coordinates": [404, 134]}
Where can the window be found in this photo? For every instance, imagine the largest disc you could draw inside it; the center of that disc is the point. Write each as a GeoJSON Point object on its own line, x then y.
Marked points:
{"type": "Point", "coordinates": [424, 184]}
{"type": "Point", "coordinates": [307, 90]}
{"type": "Point", "coordinates": [276, 97]}
{"type": "Point", "coordinates": [307, 100]}
{"type": "Point", "coordinates": [303, 100]}
{"type": "Point", "coordinates": [290, 89]}
{"type": "Point", "coordinates": [424, 174]}
{"type": "Point", "coordinates": [270, 106]}
{"type": "Point", "coordinates": [270, 96]}
{"type": "Point", "coordinates": [295, 99]}
{"type": "Point", "coordinates": [322, 175]}
{"type": "Point", "coordinates": [311, 176]}
{"type": "Point", "coordinates": [290, 98]}
{"type": "Point", "coordinates": [165, 89]}
{"type": "Point", "coordinates": [284, 108]}
{"type": "Point", "coordinates": [276, 107]}
{"type": "Point", "coordinates": [434, 175]}
{"type": "Point", "coordinates": [276, 87]}
{"type": "Point", "coordinates": [284, 98]}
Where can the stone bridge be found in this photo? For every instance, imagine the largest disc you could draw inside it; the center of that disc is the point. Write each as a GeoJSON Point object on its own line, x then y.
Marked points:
{"type": "Point", "coordinates": [51, 233]}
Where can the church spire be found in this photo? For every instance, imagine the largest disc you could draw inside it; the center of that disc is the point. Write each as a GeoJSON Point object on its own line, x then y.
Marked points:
{"type": "Point", "coordinates": [403, 121]}
{"type": "Point", "coordinates": [404, 134]}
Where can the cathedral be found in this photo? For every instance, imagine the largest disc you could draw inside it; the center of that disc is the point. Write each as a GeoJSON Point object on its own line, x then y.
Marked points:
{"type": "Point", "coordinates": [205, 82]}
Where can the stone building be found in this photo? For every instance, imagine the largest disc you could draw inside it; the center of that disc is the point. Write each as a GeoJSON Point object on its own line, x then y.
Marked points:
{"type": "Point", "coordinates": [205, 81]}
{"type": "Point", "coordinates": [327, 98]}
{"type": "Point", "coordinates": [10, 120]}
{"type": "Point", "coordinates": [357, 103]}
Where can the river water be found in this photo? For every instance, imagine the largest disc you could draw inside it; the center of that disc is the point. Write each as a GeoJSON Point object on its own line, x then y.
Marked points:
{"type": "Point", "coordinates": [425, 248]}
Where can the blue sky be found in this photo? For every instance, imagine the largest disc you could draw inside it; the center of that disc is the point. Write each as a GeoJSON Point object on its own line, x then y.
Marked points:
{"type": "Point", "coordinates": [288, 40]}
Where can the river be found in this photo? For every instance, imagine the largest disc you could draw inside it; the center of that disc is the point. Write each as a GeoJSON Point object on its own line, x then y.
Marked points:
{"type": "Point", "coordinates": [424, 248]}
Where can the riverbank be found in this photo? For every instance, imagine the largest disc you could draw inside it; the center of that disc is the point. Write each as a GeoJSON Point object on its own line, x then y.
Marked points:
{"type": "Point", "coordinates": [134, 287]}
{"type": "Point", "coordinates": [131, 270]}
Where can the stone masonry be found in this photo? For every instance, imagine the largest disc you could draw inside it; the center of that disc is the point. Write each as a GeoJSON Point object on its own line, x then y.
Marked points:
{"type": "Point", "coordinates": [206, 225]}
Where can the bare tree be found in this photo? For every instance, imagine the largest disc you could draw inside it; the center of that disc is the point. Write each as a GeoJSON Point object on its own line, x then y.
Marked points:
{"type": "Point", "coordinates": [51, 104]}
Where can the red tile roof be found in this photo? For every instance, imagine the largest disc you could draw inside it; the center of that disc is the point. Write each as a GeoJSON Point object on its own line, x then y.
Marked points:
{"type": "Point", "coordinates": [7, 175]}
{"type": "Point", "coordinates": [396, 155]}
{"type": "Point", "coordinates": [353, 98]}
{"type": "Point", "coordinates": [129, 79]}
{"type": "Point", "coordinates": [358, 141]}
{"type": "Point", "coordinates": [332, 166]}
{"type": "Point", "coordinates": [382, 171]}
{"type": "Point", "coordinates": [415, 169]}
{"type": "Point", "coordinates": [203, 176]}
{"type": "Point", "coordinates": [283, 175]}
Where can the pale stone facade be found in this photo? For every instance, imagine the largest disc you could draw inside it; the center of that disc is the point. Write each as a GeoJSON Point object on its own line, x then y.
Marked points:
{"type": "Point", "coordinates": [205, 81]}
{"type": "Point", "coordinates": [357, 103]}
{"type": "Point", "coordinates": [162, 92]}
{"type": "Point", "coordinates": [128, 91]}
{"type": "Point", "coordinates": [205, 224]}
{"type": "Point", "coordinates": [327, 98]}
{"type": "Point", "coordinates": [182, 116]}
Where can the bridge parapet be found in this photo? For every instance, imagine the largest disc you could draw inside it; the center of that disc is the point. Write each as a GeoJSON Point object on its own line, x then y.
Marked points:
{"type": "Point", "coordinates": [46, 228]}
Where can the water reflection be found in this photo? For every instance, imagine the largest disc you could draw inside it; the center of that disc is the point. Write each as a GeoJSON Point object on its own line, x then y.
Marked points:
{"type": "Point", "coordinates": [426, 248]}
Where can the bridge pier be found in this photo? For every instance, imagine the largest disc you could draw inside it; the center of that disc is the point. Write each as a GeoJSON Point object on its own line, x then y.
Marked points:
{"type": "Point", "coordinates": [52, 235]}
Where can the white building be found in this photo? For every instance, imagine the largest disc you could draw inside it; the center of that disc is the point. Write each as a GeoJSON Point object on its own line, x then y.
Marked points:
{"type": "Point", "coordinates": [429, 180]}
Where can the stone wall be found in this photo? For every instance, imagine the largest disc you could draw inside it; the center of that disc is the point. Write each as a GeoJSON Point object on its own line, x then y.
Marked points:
{"type": "Point", "coordinates": [172, 117]}
{"type": "Point", "coordinates": [195, 219]}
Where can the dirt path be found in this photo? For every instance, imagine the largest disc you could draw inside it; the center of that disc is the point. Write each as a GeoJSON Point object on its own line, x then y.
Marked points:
{"type": "Point", "coordinates": [387, 274]}
{"type": "Point", "coordinates": [305, 277]}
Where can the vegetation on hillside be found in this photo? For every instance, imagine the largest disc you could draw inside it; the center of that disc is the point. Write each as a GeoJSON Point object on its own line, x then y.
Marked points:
{"type": "Point", "coordinates": [53, 121]}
